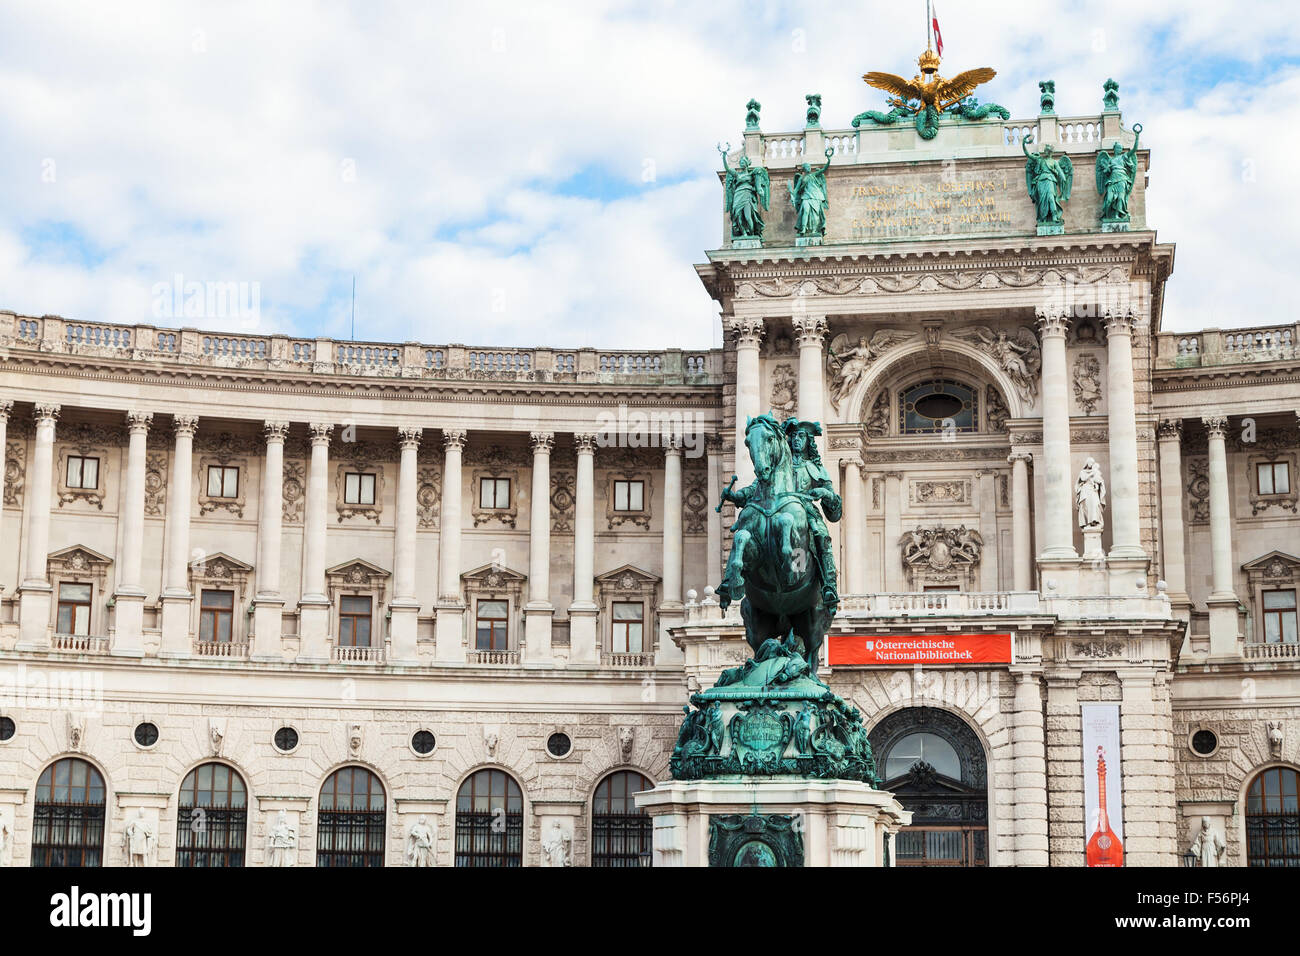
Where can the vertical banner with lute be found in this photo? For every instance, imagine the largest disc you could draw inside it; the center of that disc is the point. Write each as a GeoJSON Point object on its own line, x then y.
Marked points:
{"type": "Point", "coordinates": [1102, 792]}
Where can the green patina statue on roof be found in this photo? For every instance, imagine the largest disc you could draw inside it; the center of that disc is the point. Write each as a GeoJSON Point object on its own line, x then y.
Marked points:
{"type": "Point", "coordinates": [1116, 174]}
{"type": "Point", "coordinates": [747, 193]}
{"type": "Point", "coordinates": [809, 198]}
{"type": "Point", "coordinates": [1049, 177]}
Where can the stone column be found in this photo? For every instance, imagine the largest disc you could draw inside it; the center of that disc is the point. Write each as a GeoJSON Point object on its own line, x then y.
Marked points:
{"type": "Point", "coordinates": [176, 596]}
{"type": "Point", "coordinates": [713, 564]}
{"type": "Point", "coordinates": [1222, 600]}
{"type": "Point", "coordinates": [35, 591]}
{"type": "Point", "coordinates": [671, 610]}
{"type": "Point", "coordinates": [1058, 510]}
{"type": "Point", "coordinates": [1022, 554]}
{"type": "Point", "coordinates": [1125, 530]}
{"type": "Point", "coordinates": [128, 598]}
{"type": "Point", "coordinates": [314, 610]}
{"type": "Point", "coordinates": [404, 609]}
{"type": "Point", "coordinates": [539, 610]}
{"type": "Point", "coordinates": [1028, 751]}
{"type": "Point", "coordinates": [6, 406]}
{"type": "Point", "coordinates": [749, 335]}
{"type": "Point", "coordinates": [895, 580]}
{"type": "Point", "coordinates": [987, 484]}
{"type": "Point", "coordinates": [583, 610]}
{"type": "Point", "coordinates": [1170, 435]}
{"type": "Point", "coordinates": [268, 604]}
{"type": "Point", "coordinates": [809, 331]}
{"type": "Point", "coordinates": [450, 627]}
{"type": "Point", "coordinates": [854, 522]}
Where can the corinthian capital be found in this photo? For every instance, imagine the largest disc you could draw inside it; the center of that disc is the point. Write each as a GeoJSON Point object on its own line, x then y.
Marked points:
{"type": "Point", "coordinates": [809, 330]}
{"type": "Point", "coordinates": [749, 332]}
{"type": "Point", "coordinates": [1171, 429]}
{"type": "Point", "coordinates": [1119, 321]}
{"type": "Point", "coordinates": [408, 437]}
{"type": "Point", "coordinates": [1216, 426]}
{"type": "Point", "coordinates": [542, 442]}
{"type": "Point", "coordinates": [320, 432]}
{"type": "Point", "coordinates": [585, 444]}
{"type": "Point", "coordinates": [1052, 321]}
{"type": "Point", "coordinates": [453, 438]}
{"type": "Point", "coordinates": [185, 425]}
{"type": "Point", "coordinates": [137, 423]}
{"type": "Point", "coordinates": [6, 406]}
{"type": "Point", "coordinates": [47, 413]}
{"type": "Point", "coordinates": [275, 431]}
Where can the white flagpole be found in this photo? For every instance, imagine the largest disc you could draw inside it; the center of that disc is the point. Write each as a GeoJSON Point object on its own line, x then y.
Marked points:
{"type": "Point", "coordinates": [929, 29]}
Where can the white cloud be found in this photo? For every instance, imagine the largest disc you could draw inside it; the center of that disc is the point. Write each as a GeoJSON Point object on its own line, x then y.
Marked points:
{"type": "Point", "coordinates": [419, 147]}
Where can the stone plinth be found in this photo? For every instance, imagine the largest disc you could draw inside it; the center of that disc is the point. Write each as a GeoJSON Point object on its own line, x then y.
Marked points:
{"type": "Point", "coordinates": [829, 822]}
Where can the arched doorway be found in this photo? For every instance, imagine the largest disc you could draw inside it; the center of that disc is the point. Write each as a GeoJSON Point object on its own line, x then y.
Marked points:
{"type": "Point", "coordinates": [1273, 818]}
{"type": "Point", "coordinates": [68, 821]}
{"type": "Point", "coordinates": [934, 763]}
{"type": "Point", "coordinates": [490, 820]}
{"type": "Point", "coordinates": [212, 817]}
{"type": "Point", "coordinates": [620, 833]}
{"type": "Point", "coordinates": [352, 819]}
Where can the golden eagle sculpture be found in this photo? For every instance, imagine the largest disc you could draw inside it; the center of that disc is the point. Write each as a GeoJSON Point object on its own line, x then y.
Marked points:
{"type": "Point", "coordinates": [928, 95]}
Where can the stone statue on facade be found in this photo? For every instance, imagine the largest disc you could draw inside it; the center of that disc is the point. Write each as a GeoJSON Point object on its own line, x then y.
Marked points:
{"type": "Point", "coordinates": [747, 193]}
{"type": "Point", "coordinates": [419, 843]}
{"type": "Point", "coordinates": [1049, 178]}
{"type": "Point", "coordinates": [1116, 174]}
{"type": "Point", "coordinates": [1090, 496]}
{"type": "Point", "coordinates": [558, 846]}
{"type": "Point", "coordinates": [139, 840]}
{"type": "Point", "coordinates": [847, 364]}
{"type": "Point", "coordinates": [810, 200]}
{"type": "Point", "coordinates": [6, 841]}
{"type": "Point", "coordinates": [1019, 357]}
{"type": "Point", "coordinates": [1208, 847]}
{"type": "Point", "coordinates": [282, 842]}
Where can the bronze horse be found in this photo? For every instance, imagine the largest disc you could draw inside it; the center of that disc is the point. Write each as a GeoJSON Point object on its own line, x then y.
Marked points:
{"type": "Point", "coordinates": [773, 561]}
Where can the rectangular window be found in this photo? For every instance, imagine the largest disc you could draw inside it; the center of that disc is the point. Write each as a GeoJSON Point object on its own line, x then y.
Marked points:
{"type": "Point", "coordinates": [491, 631]}
{"type": "Point", "coordinates": [354, 621]}
{"type": "Point", "coordinates": [629, 496]}
{"type": "Point", "coordinates": [1273, 477]}
{"type": "Point", "coordinates": [83, 472]}
{"type": "Point", "coordinates": [494, 493]}
{"type": "Point", "coordinates": [216, 615]}
{"type": "Point", "coordinates": [223, 481]}
{"type": "Point", "coordinates": [358, 488]}
{"type": "Point", "coordinates": [629, 624]}
{"type": "Point", "coordinates": [1280, 617]}
{"type": "Point", "coordinates": [74, 609]}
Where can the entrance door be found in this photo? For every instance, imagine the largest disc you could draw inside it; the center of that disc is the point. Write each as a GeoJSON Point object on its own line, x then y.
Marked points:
{"type": "Point", "coordinates": [934, 764]}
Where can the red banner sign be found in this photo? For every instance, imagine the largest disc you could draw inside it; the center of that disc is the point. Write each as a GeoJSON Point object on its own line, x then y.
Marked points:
{"type": "Point", "coordinates": [908, 649]}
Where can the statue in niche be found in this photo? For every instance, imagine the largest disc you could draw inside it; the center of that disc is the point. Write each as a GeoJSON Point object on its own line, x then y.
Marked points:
{"type": "Point", "coordinates": [1090, 496]}
{"type": "Point", "coordinates": [809, 198]}
{"type": "Point", "coordinates": [1116, 174]}
{"type": "Point", "coordinates": [139, 840]}
{"type": "Point", "coordinates": [1208, 847]}
{"type": "Point", "coordinates": [6, 841]}
{"type": "Point", "coordinates": [747, 192]}
{"type": "Point", "coordinates": [1049, 178]}
{"type": "Point", "coordinates": [419, 844]}
{"type": "Point", "coordinates": [558, 846]}
{"type": "Point", "coordinates": [282, 842]}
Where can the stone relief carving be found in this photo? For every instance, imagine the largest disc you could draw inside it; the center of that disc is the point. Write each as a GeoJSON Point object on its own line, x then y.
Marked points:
{"type": "Point", "coordinates": [934, 281]}
{"type": "Point", "coordinates": [491, 737]}
{"type": "Point", "coordinates": [6, 838]}
{"type": "Point", "coordinates": [282, 842]}
{"type": "Point", "coordinates": [1198, 490]}
{"type": "Point", "coordinates": [428, 496]}
{"type": "Point", "coordinates": [996, 409]}
{"type": "Point", "coordinates": [15, 471]}
{"type": "Point", "coordinates": [420, 839]}
{"type": "Point", "coordinates": [847, 363]}
{"type": "Point", "coordinates": [1098, 649]}
{"type": "Point", "coordinates": [155, 484]}
{"type": "Point", "coordinates": [294, 492]}
{"type": "Point", "coordinates": [1087, 382]}
{"type": "Point", "coordinates": [216, 734]}
{"type": "Point", "coordinates": [1019, 356]}
{"type": "Point", "coordinates": [695, 501]}
{"type": "Point", "coordinates": [626, 738]}
{"type": "Point", "coordinates": [355, 739]}
{"type": "Point", "coordinates": [927, 492]}
{"type": "Point", "coordinates": [562, 499]}
{"type": "Point", "coordinates": [1276, 738]}
{"type": "Point", "coordinates": [877, 421]}
{"type": "Point", "coordinates": [785, 390]}
{"type": "Point", "coordinates": [76, 731]}
{"type": "Point", "coordinates": [940, 548]}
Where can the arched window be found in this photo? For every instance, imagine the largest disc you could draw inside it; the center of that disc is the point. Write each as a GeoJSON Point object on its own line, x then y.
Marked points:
{"type": "Point", "coordinates": [68, 825]}
{"type": "Point", "coordinates": [353, 815]}
{"type": "Point", "coordinates": [212, 817]}
{"type": "Point", "coordinates": [1273, 819]}
{"type": "Point", "coordinates": [490, 821]}
{"type": "Point", "coordinates": [938, 407]}
{"type": "Point", "coordinates": [620, 833]}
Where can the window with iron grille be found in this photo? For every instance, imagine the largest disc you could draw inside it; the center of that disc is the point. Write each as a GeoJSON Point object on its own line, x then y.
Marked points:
{"type": "Point", "coordinates": [68, 819]}
{"type": "Point", "coordinates": [212, 818]}
{"type": "Point", "coordinates": [354, 621]}
{"type": "Point", "coordinates": [223, 481]}
{"type": "Point", "coordinates": [489, 821]}
{"type": "Point", "coordinates": [216, 615]}
{"type": "Point", "coordinates": [83, 473]}
{"type": "Point", "coordinates": [620, 833]}
{"type": "Point", "coordinates": [1273, 819]}
{"type": "Point", "coordinates": [352, 820]}
{"type": "Point", "coordinates": [74, 608]}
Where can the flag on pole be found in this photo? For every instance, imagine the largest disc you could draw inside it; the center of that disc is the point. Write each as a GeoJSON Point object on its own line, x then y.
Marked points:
{"type": "Point", "coordinates": [934, 25]}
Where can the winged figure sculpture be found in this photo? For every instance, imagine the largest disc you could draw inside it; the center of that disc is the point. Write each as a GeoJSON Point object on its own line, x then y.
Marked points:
{"type": "Point", "coordinates": [926, 95]}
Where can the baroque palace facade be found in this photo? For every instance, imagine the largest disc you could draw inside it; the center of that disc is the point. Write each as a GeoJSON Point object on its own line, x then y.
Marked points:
{"type": "Point", "coordinates": [282, 601]}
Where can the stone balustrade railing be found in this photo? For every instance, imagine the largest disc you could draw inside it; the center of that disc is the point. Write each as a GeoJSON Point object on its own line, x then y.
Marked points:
{"type": "Point", "coordinates": [1209, 347]}
{"type": "Point", "coordinates": [192, 347]}
{"type": "Point", "coordinates": [1254, 651]}
{"type": "Point", "coordinates": [492, 657]}
{"type": "Point", "coordinates": [911, 603]}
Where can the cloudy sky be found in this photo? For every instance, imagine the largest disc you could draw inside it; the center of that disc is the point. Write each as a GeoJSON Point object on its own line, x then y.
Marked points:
{"type": "Point", "coordinates": [541, 173]}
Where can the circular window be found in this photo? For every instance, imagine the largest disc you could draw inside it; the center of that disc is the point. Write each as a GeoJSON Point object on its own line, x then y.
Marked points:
{"type": "Point", "coordinates": [423, 742]}
{"type": "Point", "coordinates": [938, 406]}
{"type": "Point", "coordinates": [1205, 742]}
{"type": "Point", "coordinates": [286, 739]}
{"type": "Point", "coordinates": [7, 728]}
{"type": "Point", "coordinates": [146, 734]}
{"type": "Point", "coordinates": [559, 744]}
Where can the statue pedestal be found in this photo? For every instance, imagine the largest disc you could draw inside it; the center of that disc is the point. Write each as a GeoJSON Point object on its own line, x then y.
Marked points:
{"type": "Point", "coordinates": [1114, 225]}
{"type": "Point", "coordinates": [1051, 228]}
{"type": "Point", "coordinates": [748, 243]}
{"type": "Point", "coordinates": [772, 821]}
{"type": "Point", "coordinates": [808, 240]}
